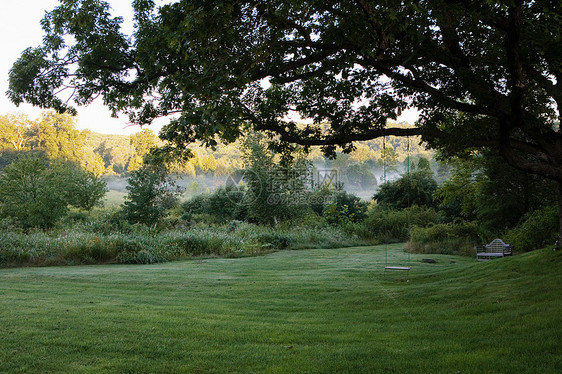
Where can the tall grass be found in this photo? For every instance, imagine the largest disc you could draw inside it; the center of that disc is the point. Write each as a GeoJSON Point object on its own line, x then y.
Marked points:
{"type": "Point", "coordinates": [139, 245]}
{"type": "Point", "coordinates": [395, 225]}
{"type": "Point", "coordinates": [447, 239]}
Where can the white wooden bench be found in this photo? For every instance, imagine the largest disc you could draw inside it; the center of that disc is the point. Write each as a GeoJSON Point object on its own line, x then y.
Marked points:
{"type": "Point", "coordinates": [497, 248]}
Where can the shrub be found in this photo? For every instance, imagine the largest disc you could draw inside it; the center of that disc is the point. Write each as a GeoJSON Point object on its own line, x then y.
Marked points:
{"type": "Point", "coordinates": [416, 188]}
{"type": "Point", "coordinates": [336, 205]}
{"type": "Point", "coordinates": [88, 250]}
{"type": "Point", "coordinates": [142, 246]}
{"type": "Point", "coordinates": [273, 240]}
{"type": "Point", "coordinates": [395, 225]}
{"type": "Point", "coordinates": [152, 192]}
{"type": "Point", "coordinates": [224, 204]}
{"type": "Point", "coordinates": [538, 229]}
{"type": "Point", "coordinates": [451, 238]}
{"type": "Point", "coordinates": [36, 192]}
{"type": "Point", "coordinates": [198, 204]}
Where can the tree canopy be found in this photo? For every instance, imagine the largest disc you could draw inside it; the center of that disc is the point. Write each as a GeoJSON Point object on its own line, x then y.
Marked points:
{"type": "Point", "coordinates": [483, 73]}
{"type": "Point", "coordinates": [37, 192]}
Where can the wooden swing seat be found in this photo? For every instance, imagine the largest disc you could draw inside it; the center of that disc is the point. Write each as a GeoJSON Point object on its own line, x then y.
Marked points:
{"type": "Point", "coordinates": [396, 268]}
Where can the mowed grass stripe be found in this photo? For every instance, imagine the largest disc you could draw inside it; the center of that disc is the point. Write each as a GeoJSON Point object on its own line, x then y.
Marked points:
{"type": "Point", "coordinates": [315, 311]}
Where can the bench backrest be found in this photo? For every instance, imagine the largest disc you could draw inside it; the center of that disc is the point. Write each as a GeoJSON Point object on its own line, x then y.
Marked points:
{"type": "Point", "coordinates": [496, 246]}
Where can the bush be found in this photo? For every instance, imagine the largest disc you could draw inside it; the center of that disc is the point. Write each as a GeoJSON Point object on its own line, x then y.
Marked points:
{"type": "Point", "coordinates": [416, 188]}
{"type": "Point", "coordinates": [344, 207]}
{"type": "Point", "coordinates": [538, 229]}
{"type": "Point", "coordinates": [224, 204]}
{"type": "Point", "coordinates": [336, 205]}
{"type": "Point", "coordinates": [89, 250]}
{"type": "Point", "coordinates": [451, 239]}
{"type": "Point", "coordinates": [198, 204]}
{"type": "Point", "coordinates": [36, 192]}
{"type": "Point", "coordinates": [152, 192]}
{"type": "Point", "coordinates": [394, 225]}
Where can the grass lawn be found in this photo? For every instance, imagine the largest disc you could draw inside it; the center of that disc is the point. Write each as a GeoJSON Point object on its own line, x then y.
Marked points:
{"type": "Point", "coordinates": [310, 311]}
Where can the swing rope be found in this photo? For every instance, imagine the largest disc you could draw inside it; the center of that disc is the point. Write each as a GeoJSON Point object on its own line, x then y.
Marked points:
{"type": "Point", "coordinates": [387, 267]}
{"type": "Point", "coordinates": [384, 160]}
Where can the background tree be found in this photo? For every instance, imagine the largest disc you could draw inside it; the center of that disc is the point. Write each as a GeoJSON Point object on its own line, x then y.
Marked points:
{"type": "Point", "coordinates": [484, 188]}
{"type": "Point", "coordinates": [37, 192]}
{"type": "Point", "coordinates": [142, 142]}
{"type": "Point", "coordinates": [224, 204]}
{"type": "Point", "coordinates": [273, 189]}
{"type": "Point", "coordinates": [485, 74]}
{"type": "Point", "coordinates": [14, 132]}
{"type": "Point", "coordinates": [416, 188]}
{"type": "Point", "coordinates": [57, 136]}
{"type": "Point", "coordinates": [84, 189]}
{"type": "Point", "coordinates": [152, 192]}
{"type": "Point", "coordinates": [31, 193]}
{"type": "Point", "coordinates": [342, 207]}
{"type": "Point", "coordinates": [93, 163]}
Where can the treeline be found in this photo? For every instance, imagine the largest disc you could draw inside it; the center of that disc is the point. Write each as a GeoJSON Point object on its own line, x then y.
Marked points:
{"type": "Point", "coordinates": [57, 137]}
{"type": "Point", "coordinates": [483, 198]}
{"type": "Point", "coordinates": [269, 206]}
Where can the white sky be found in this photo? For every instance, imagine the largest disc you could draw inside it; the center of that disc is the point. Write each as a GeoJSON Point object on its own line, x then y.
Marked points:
{"type": "Point", "coordinates": [20, 28]}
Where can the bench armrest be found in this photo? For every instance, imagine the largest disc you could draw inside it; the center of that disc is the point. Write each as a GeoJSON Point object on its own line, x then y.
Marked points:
{"type": "Point", "coordinates": [480, 248]}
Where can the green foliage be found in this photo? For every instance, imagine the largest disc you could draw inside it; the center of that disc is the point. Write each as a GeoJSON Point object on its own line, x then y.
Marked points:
{"type": "Point", "coordinates": [84, 189]}
{"type": "Point", "coordinates": [116, 241]}
{"type": "Point", "coordinates": [274, 191]}
{"type": "Point", "coordinates": [359, 176]}
{"type": "Point", "coordinates": [452, 239]}
{"type": "Point", "coordinates": [481, 83]}
{"type": "Point", "coordinates": [14, 133]}
{"type": "Point", "coordinates": [424, 165]}
{"type": "Point", "coordinates": [115, 151]}
{"type": "Point", "coordinates": [214, 88]}
{"type": "Point", "coordinates": [336, 205]}
{"type": "Point", "coordinates": [152, 192]}
{"type": "Point", "coordinates": [486, 189]}
{"type": "Point", "coordinates": [335, 215]}
{"type": "Point", "coordinates": [37, 192]}
{"type": "Point", "coordinates": [355, 208]}
{"type": "Point", "coordinates": [143, 142]}
{"type": "Point", "coordinates": [224, 204]}
{"type": "Point", "coordinates": [537, 230]}
{"type": "Point", "coordinates": [57, 136]}
{"type": "Point", "coordinates": [389, 158]}
{"type": "Point", "coordinates": [105, 154]}
{"type": "Point", "coordinates": [416, 188]}
{"type": "Point", "coordinates": [395, 225]}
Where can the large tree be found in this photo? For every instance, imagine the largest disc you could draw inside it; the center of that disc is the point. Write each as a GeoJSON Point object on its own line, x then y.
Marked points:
{"type": "Point", "coordinates": [485, 74]}
{"type": "Point", "coordinates": [14, 133]}
{"type": "Point", "coordinates": [57, 136]}
{"type": "Point", "coordinates": [37, 192]}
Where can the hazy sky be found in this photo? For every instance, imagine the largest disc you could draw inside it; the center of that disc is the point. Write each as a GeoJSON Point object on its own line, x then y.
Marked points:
{"type": "Point", "coordinates": [20, 28]}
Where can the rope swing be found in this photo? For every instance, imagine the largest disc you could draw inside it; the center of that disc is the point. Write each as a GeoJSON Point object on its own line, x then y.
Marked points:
{"type": "Point", "coordinates": [386, 266]}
